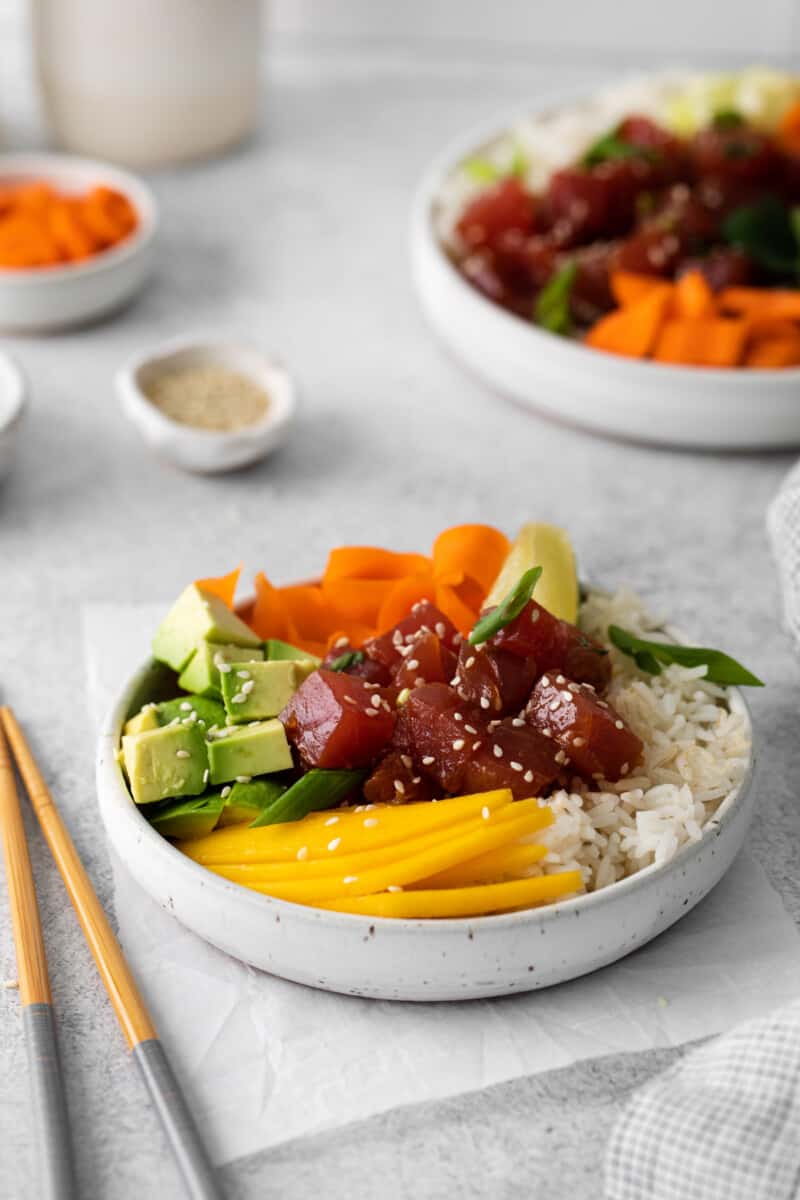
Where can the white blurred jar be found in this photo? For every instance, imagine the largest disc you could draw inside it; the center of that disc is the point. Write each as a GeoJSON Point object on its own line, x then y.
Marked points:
{"type": "Point", "coordinates": [149, 82]}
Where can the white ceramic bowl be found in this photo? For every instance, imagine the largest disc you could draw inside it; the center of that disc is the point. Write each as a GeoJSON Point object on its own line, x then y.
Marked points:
{"type": "Point", "coordinates": [645, 401]}
{"type": "Point", "coordinates": [454, 959]}
{"type": "Point", "coordinates": [207, 451]}
{"type": "Point", "coordinates": [12, 405]}
{"type": "Point", "coordinates": [45, 299]}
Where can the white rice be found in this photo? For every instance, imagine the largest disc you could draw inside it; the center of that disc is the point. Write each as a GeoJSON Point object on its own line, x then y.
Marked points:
{"type": "Point", "coordinates": [696, 751]}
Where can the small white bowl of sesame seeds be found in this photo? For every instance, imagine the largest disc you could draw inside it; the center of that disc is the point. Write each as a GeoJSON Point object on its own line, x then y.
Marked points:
{"type": "Point", "coordinates": [12, 405]}
{"type": "Point", "coordinates": [208, 406]}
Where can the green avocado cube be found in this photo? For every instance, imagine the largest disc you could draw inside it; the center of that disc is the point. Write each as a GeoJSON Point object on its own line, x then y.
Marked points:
{"type": "Point", "coordinates": [259, 690]}
{"type": "Point", "coordinates": [189, 818]}
{"type": "Point", "coordinates": [190, 710]}
{"type": "Point", "coordinates": [276, 651]}
{"type": "Point", "coordinates": [166, 762]}
{"type": "Point", "coordinates": [202, 675]}
{"type": "Point", "coordinates": [146, 718]}
{"type": "Point", "coordinates": [248, 750]}
{"type": "Point", "coordinates": [246, 801]}
{"type": "Point", "coordinates": [198, 616]}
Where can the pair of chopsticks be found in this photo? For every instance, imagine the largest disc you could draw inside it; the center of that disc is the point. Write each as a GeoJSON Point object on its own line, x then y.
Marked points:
{"type": "Point", "coordinates": [49, 1104]}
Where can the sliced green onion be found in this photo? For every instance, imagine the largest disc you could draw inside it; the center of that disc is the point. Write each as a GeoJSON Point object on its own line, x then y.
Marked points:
{"type": "Point", "coordinates": [507, 610]}
{"type": "Point", "coordinates": [348, 659]}
{"type": "Point", "coordinates": [315, 791]}
{"type": "Point", "coordinates": [552, 304]}
{"type": "Point", "coordinates": [650, 655]}
{"type": "Point", "coordinates": [482, 170]}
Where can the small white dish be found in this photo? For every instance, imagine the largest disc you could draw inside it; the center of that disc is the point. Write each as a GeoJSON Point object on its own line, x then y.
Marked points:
{"type": "Point", "coordinates": [207, 451]}
{"type": "Point", "coordinates": [701, 408]}
{"type": "Point", "coordinates": [45, 299]}
{"type": "Point", "coordinates": [453, 959]}
{"type": "Point", "coordinates": [12, 405]}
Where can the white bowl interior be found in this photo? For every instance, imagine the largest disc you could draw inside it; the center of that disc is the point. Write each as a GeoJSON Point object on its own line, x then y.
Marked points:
{"type": "Point", "coordinates": [12, 392]}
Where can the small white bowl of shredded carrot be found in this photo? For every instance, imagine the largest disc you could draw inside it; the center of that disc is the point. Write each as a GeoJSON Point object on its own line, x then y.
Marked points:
{"type": "Point", "coordinates": [76, 240]}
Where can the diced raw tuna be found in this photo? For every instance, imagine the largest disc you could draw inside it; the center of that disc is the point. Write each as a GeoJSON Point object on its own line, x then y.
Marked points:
{"type": "Point", "coordinates": [454, 744]}
{"type": "Point", "coordinates": [425, 617]}
{"type": "Point", "coordinates": [395, 780]}
{"type": "Point", "coordinates": [495, 680]}
{"type": "Point", "coordinates": [512, 755]}
{"type": "Point", "coordinates": [588, 731]}
{"type": "Point", "coordinates": [428, 659]}
{"type": "Point", "coordinates": [555, 645]}
{"type": "Point", "coordinates": [362, 668]}
{"type": "Point", "coordinates": [335, 720]}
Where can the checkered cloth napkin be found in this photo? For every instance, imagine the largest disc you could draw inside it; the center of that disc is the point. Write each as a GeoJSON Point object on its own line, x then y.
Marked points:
{"type": "Point", "coordinates": [724, 1122]}
{"type": "Point", "coordinates": [721, 1124]}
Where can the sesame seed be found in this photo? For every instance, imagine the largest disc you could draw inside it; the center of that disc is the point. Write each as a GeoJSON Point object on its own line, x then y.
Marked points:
{"type": "Point", "coordinates": [515, 766]}
{"type": "Point", "coordinates": [402, 697]}
{"type": "Point", "coordinates": [470, 662]}
{"type": "Point", "coordinates": [371, 687]}
{"type": "Point", "coordinates": [619, 725]}
{"type": "Point", "coordinates": [243, 778]}
{"type": "Point", "coordinates": [339, 643]}
{"type": "Point", "coordinates": [224, 667]}
{"type": "Point", "coordinates": [210, 732]}
{"type": "Point", "coordinates": [561, 757]}
{"type": "Point", "coordinates": [547, 732]}
{"type": "Point", "coordinates": [375, 701]}
{"type": "Point", "coordinates": [332, 821]}
{"type": "Point", "coordinates": [485, 702]}
{"type": "Point", "coordinates": [394, 887]}
{"type": "Point", "coordinates": [399, 787]}
{"type": "Point", "coordinates": [427, 760]}
{"type": "Point", "coordinates": [602, 703]}
{"type": "Point", "coordinates": [350, 699]}
{"type": "Point", "coordinates": [518, 722]}
{"type": "Point", "coordinates": [243, 674]}
{"type": "Point", "coordinates": [573, 687]}
{"type": "Point", "coordinates": [239, 698]}
{"type": "Point", "coordinates": [458, 744]}
{"type": "Point", "coordinates": [440, 628]}
{"type": "Point", "coordinates": [412, 664]}
{"type": "Point", "coordinates": [560, 679]}
{"type": "Point", "coordinates": [302, 853]}
{"type": "Point", "coordinates": [534, 616]}
{"type": "Point", "coordinates": [419, 682]}
{"type": "Point", "coordinates": [252, 724]}
{"type": "Point", "coordinates": [565, 695]}
{"type": "Point", "coordinates": [182, 754]}
{"type": "Point", "coordinates": [554, 704]}
{"type": "Point", "coordinates": [397, 638]}
{"type": "Point", "coordinates": [333, 843]}
{"type": "Point", "coordinates": [370, 712]}
{"type": "Point", "coordinates": [476, 746]}
{"type": "Point", "coordinates": [407, 761]}
{"type": "Point", "coordinates": [457, 716]}
{"type": "Point", "coordinates": [350, 879]}
{"type": "Point", "coordinates": [624, 769]}
{"type": "Point", "coordinates": [455, 681]}
{"type": "Point", "coordinates": [470, 729]}
{"type": "Point", "coordinates": [486, 812]}
{"type": "Point", "coordinates": [247, 687]}
{"type": "Point", "coordinates": [226, 791]}
{"type": "Point", "coordinates": [528, 776]}
{"type": "Point", "coordinates": [186, 706]}
{"type": "Point", "coordinates": [493, 724]}
{"type": "Point", "coordinates": [497, 751]}
{"type": "Point", "coordinates": [415, 779]}
{"type": "Point", "coordinates": [205, 775]}
{"type": "Point", "coordinates": [579, 741]}
{"type": "Point", "coordinates": [370, 822]}
{"type": "Point", "coordinates": [175, 721]}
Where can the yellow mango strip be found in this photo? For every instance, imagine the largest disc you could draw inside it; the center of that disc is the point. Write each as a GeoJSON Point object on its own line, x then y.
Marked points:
{"type": "Point", "coordinates": [357, 830]}
{"type": "Point", "coordinates": [406, 870]}
{"type": "Point", "coordinates": [509, 862]}
{"type": "Point", "coordinates": [463, 902]}
{"type": "Point", "coordinates": [336, 865]}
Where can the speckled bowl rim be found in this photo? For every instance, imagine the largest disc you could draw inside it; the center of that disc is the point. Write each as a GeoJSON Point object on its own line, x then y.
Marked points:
{"type": "Point", "coordinates": [109, 772]}
{"type": "Point", "coordinates": [638, 373]}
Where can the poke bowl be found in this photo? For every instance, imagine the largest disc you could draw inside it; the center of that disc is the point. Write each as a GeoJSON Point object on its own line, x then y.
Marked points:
{"type": "Point", "coordinates": [628, 261]}
{"type": "Point", "coordinates": [376, 837]}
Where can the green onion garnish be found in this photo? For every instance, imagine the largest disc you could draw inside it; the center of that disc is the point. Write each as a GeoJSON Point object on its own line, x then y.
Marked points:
{"type": "Point", "coordinates": [552, 304]}
{"type": "Point", "coordinates": [348, 659]}
{"type": "Point", "coordinates": [507, 610]}
{"type": "Point", "coordinates": [650, 655]}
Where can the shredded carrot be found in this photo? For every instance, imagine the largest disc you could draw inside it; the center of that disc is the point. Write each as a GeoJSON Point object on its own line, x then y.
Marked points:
{"type": "Point", "coordinates": [761, 302]}
{"type": "Point", "coordinates": [693, 298]}
{"type": "Point", "coordinates": [775, 352]}
{"type": "Point", "coordinates": [789, 129]}
{"type": "Point", "coordinates": [223, 586]}
{"type": "Point", "coordinates": [702, 342]}
{"type": "Point", "coordinates": [42, 227]}
{"type": "Point", "coordinates": [633, 330]}
{"type": "Point", "coordinates": [476, 551]}
{"type": "Point", "coordinates": [627, 287]}
{"type": "Point", "coordinates": [369, 562]}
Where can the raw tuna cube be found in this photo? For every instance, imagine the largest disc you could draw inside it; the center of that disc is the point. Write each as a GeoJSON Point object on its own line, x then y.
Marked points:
{"type": "Point", "coordinates": [424, 616]}
{"type": "Point", "coordinates": [427, 659]}
{"type": "Point", "coordinates": [335, 720]}
{"type": "Point", "coordinates": [512, 755]}
{"type": "Point", "coordinates": [555, 645]}
{"type": "Point", "coordinates": [431, 730]}
{"type": "Point", "coordinates": [364, 668]}
{"type": "Point", "coordinates": [495, 680]}
{"type": "Point", "coordinates": [589, 732]}
{"type": "Point", "coordinates": [395, 780]}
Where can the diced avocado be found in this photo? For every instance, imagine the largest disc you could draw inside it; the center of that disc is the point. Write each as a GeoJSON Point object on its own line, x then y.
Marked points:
{"type": "Point", "coordinates": [246, 801]}
{"type": "Point", "coordinates": [248, 750]}
{"type": "Point", "coordinates": [198, 616]}
{"type": "Point", "coordinates": [146, 718]}
{"type": "Point", "coordinates": [171, 761]}
{"type": "Point", "coordinates": [259, 690]}
{"type": "Point", "coordinates": [201, 676]}
{"type": "Point", "coordinates": [189, 818]}
{"type": "Point", "coordinates": [183, 709]}
{"type": "Point", "coordinates": [277, 651]}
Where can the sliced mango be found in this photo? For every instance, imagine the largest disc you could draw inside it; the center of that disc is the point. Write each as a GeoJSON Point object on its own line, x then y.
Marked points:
{"type": "Point", "coordinates": [463, 902]}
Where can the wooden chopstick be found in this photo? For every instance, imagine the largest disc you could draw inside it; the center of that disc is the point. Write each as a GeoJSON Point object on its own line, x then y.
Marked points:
{"type": "Point", "coordinates": [54, 1157]}
{"type": "Point", "coordinates": [132, 1014]}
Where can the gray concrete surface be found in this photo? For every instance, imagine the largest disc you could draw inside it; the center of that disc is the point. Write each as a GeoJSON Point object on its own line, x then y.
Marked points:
{"type": "Point", "coordinates": [298, 241]}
